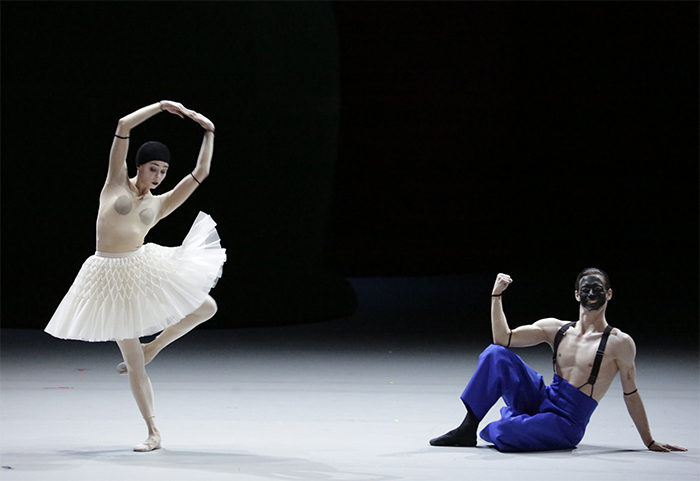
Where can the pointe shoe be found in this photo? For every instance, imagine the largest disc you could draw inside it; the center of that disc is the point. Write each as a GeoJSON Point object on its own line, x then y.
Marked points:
{"type": "Point", "coordinates": [150, 444]}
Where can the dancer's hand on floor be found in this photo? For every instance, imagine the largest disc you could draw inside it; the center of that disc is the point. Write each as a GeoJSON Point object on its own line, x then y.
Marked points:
{"type": "Point", "coordinates": [665, 448]}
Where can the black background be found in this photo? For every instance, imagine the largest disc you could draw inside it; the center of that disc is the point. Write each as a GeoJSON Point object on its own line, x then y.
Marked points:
{"type": "Point", "coordinates": [360, 139]}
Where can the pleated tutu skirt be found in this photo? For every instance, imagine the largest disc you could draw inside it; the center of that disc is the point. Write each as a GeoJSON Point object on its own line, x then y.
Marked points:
{"type": "Point", "coordinates": [135, 294]}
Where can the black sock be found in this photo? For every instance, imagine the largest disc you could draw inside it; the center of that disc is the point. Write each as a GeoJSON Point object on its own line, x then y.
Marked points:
{"type": "Point", "coordinates": [470, 423]}
{"type": "Point", "coordinates": [463, 435]}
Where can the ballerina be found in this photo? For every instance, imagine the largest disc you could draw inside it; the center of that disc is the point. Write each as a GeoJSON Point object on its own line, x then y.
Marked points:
{"type": "Point", "coordinates": [129, 289]}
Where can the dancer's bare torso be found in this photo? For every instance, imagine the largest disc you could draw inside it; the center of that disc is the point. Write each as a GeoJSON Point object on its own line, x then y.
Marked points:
{"type": "Point", "coordinates": [577, 352]}
{"type": "Point", "coordinates": [125, 217]}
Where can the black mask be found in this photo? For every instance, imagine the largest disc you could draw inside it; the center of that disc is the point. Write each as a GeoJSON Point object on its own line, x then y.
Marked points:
{"type": "Point", "coordinates": [592, 293]}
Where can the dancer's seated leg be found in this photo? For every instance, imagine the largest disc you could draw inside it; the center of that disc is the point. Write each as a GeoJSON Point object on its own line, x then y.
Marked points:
{"type": "Point", "coordinates": [499, 373]}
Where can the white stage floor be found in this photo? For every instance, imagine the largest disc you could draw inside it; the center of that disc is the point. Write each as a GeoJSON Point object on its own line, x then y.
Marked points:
{"type": "Point", "coordinates": [343, 400]}
{"type": "Point", "coordinates": [288, 403]}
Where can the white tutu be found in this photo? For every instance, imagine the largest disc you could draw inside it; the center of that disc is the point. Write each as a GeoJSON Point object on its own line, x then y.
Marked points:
{"type": "Point", "coordinates": [126, 296]}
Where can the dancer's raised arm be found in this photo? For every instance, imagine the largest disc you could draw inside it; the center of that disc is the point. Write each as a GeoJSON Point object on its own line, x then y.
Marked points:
{"type": "Point", "coordinates": [523, 336]}
{"type": "Point", "coordinates": [175, 198]}
{"type": "Point", "coordinates": [120, 144]}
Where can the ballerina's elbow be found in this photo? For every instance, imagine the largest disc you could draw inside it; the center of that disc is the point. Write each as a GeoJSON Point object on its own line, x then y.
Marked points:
{"type": "Point", "coordinates": [201, 174]}
{"type": "Point", "coordinates": [123, 125]}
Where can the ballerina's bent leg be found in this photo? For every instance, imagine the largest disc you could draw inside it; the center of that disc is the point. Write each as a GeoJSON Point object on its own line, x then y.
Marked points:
{"type": "Point", "coordinates": [172, 333]}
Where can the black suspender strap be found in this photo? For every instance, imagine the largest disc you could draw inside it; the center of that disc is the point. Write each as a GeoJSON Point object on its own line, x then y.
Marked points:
{"type": "Point", "coordinates": [557, 339]}
{"type": "Point", "coordinates": [599, 356]}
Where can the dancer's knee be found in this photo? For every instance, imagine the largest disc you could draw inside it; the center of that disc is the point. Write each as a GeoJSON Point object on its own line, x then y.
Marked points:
{"type": "Point", "coordinates": [494, 350]}
{"type": "Point", "coordinates": [137, 371]}
{"type": "Point", "coordinates": [208, 308]}
{"type": "Point", "coordinates": [496, 354]}
{"type": "Point", "coordinates": [132, 353]}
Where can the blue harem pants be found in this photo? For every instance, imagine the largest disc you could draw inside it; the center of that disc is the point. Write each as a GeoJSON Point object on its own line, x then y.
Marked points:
{"type": "Point", "coordinates": [536, 417]}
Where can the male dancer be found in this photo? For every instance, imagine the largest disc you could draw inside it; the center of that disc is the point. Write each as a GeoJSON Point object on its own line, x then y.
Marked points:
{"type": "Point", "coordinates": [588, 354]}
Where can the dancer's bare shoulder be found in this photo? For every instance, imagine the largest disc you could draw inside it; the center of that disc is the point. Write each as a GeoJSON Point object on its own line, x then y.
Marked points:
{"type": "Point", "coordinates": [621, 346]}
